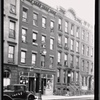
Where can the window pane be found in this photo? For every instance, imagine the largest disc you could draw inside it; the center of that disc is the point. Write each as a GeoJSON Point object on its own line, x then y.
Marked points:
{"type": "Point", "coordinates": [12, 25]}
{"type": "Point", "coordinates": [34, 36]}
{"type": "Point", "coordinates": [11, 49]}
{"type": "Point", "coordinates": [59, 21]}
{"type": "Point", "coordinates": [43, 38]}
{"type": "Point", "coordinates": [33, 58]}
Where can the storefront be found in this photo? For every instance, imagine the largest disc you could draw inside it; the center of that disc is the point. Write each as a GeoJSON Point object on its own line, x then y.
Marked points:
{"type": "Point", "coordinates": [32, 80]}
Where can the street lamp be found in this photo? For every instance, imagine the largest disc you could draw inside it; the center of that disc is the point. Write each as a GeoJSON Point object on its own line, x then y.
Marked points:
{"type": "Point", "coordinates": [42, 52]}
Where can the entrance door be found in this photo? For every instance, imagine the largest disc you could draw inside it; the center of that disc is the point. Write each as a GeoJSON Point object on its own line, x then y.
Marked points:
{"type": "Point", "coordinates": [31, 84]}
{"type": "Point", "coordinates": [43, 85]}
{"type": "Point", "coordinates": [89, 83]}
{"type": "Point", "coordinates": [69, 77]}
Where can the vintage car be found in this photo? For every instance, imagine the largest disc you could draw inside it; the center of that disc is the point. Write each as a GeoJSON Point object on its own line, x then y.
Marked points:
{"type": "Point", "coordinates": [17, 92]}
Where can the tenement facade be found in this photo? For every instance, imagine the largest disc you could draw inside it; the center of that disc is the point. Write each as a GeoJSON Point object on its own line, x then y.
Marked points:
{"type": "Point", "coordinates": [46, 48]}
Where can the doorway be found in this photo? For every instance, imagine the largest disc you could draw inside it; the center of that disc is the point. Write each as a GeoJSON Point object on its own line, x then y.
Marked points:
{"type": "Point", "coordinates": [31, 84]}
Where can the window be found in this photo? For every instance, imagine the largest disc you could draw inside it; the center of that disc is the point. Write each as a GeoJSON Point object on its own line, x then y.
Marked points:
{"type": "Point", "coordinates": [83, 34]}
{"type": "Point", "coordinates": [11, 54]}
{"type": "Point", "coordinates": [72, 29]}
{"type": "Point", "coordinates": [71, 60]}
{"type": "Point", "coordinates": [65, 59]}
{"type": "Point", "coordinates": [72, 44]}
{"type": "Point", "coordinates": [91, 52]}
{"type": "Point", "coordinates": [52, 26]}
{"type": "Point", "coordinates": [51, 61]}
{"type": "Point", "coordinates": [87, 36]}
{"type": "Point", "coordinates": [6, 77]}
{"type": "Point", "coordinates": [77, 76]}
{"type": "Point", "coordinates": [64, 74]}
{"type": "Point", "coordinates": [35, 19]}
{"type": "Point", "coordinates": [77, 46]}
{"type": "Point", "coordinates": [59, 39]}
{"type": "Point", "coordinates": [72, 76]}
{"type": "Point", "coordinates": [59, 57]}
{"type": "Point", "coordinates": [91, 67]}
{"type": "Point", "coordinates": [66, 26]}
{"type": "Point", "coordinates": [82, 65]}
{"type": "Point", "coordinates": [82, 81]}
{"type": "Point", "coordinates": [59, 24]}
{"type": "Point", "coordinates": [87, 51]}
{"type": "Point", "coordinates": [24, 31]}
{"type": "Point", "coordinates": [58, 75]}
{"type": "Point", "coordinates": [24, 17]}
{"type": "Point", "coordinates": [87, 66]}
{"type": "Point", "coordinates": [13, 7]}
{"type": "Point", "coordinates": [77, 32]}
{"type": "Point", "coordinates": [43, 39]}
{"type": "Point", "coordinates": [43, 22]}
{"type": "Point", "coordinates": [85, 81]}
{"type": "Point", "coordinates": [82, 49]}
{"type": "Point", "coordinates": [23, 56]}
{"type": "Point", "coordinates": [77, 62]}
{"type": "Point", "coordinates": [34, 58]}
{"type": "Point", "coordinates": [34, 37]}
{"type": "Point", "coordinates": [51, 44]}
{"type": "Point", "coordinates": [12, 30]}
{"type": "Point", "coordinates": [66, 42]}
{"type": "Point", "coordinates": [43, 61]}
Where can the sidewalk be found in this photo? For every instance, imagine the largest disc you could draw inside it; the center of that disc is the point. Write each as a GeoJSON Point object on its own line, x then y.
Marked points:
{"type": "Point", "coordinates": [55, 97]}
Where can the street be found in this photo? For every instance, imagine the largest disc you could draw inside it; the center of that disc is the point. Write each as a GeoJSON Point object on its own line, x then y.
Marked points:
{"type": "Point", "coordinates": [84, 97]}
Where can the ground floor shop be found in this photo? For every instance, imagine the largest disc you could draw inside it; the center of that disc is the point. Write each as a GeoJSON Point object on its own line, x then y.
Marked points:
{"type": "Point", "coordinates": [37, 80]}
{"type": "Point", "coordinates": [48, 81]}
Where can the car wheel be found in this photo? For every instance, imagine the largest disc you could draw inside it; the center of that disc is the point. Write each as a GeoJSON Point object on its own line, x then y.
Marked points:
{"type": "Point", "coordinates": [31, 97]}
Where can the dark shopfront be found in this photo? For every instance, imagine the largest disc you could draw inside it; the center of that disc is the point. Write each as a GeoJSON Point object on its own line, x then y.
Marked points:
{"type": "Point", "coordinates": [32, 80]}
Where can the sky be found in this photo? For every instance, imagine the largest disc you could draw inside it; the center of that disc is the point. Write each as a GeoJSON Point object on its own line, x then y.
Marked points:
{"type": "Point", "coordinates": [84, 9]}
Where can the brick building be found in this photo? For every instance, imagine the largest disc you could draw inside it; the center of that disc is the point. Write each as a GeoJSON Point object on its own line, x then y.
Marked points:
{"type": "Point", "coordinates": [50, 43]}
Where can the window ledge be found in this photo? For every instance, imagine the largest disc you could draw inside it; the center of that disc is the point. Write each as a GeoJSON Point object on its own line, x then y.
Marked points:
{"type": "Point", "coordinates": [35, 44]}
{"type": "Point", "coordinates": [35, 25]}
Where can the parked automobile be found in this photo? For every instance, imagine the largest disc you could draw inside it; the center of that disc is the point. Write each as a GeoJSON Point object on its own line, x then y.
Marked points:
{"type": "Point", "coordinates": [17, 92]}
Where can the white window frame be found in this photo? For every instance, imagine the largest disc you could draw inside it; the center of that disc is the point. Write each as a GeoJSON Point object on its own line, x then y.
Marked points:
{"type": "Point", "coordinates": [34, 56]}
{"type": "Point", "coordinates": [35, 19]}
{"type": "Point", "coordinates": [51, 44]}
{"type": "Point", "coordinates": [11, 49]}
{"type": "Point", "coordinates": [23, 59]}
{"type": "Point", "coordinates": [25, 14]}
{"type": "Point", "coordinates": [72, 44]}
{"type": "Point", "coordinates": [66, 26]}
{"type": "Point", "coordinates": [24, 34]}
{"type": "Point", "coordinates": [44, 22]}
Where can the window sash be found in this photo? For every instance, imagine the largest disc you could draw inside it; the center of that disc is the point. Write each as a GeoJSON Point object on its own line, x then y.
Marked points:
{"type": "Point", "coordinates": [59, 21]}
{"type": "Point", "coordinates": [59, 57]}
{"type": "Point", "coordinates": [66, 57]}
{"type": "Point", "coordinates": [33, 58]}
{"type": "Point", "coordinates": [52, 24]}
{"type": "Point", "coordinates": [59, 39]}
{"type": "Point", "coordinates": [12, 25]}
{"type": "Point", "coordinates": [25, 14]}
{"type": "Point", "coordinates": [51, 43]}
{"type": "Point", "coordinates": [35, 19]}
{"type": "Point", "coordinates": [23, 56]}
{"type": "Point", "coordinates": [43, 39]}
{"type": "Point", "coordinates": [66, 40]}
{"type": "Point", "coordinates": [24, 35]}
{"type": "Point", "coordinates": [43, 22]}
{"type": "Point", "coordinates": [34, 36]}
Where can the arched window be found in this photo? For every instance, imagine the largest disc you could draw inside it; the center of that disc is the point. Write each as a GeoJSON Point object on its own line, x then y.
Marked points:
{"type": "Point", "coordinates": [6, 77]}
